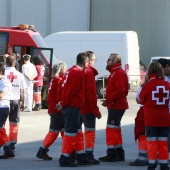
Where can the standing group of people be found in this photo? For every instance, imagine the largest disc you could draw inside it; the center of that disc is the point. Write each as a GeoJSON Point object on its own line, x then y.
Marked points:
{"type": "Point", "coordinates": [72, 102]}
{"type": "Point", "coordinates": [16, 94]}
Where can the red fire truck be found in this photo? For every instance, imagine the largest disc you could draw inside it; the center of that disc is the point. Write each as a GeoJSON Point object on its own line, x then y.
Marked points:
{"type": "Point", "coordinates": [23, 39]}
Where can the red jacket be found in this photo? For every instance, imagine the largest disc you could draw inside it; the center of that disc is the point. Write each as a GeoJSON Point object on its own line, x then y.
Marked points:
{"type": "Point", "coordinates": [73, 91]}
{"type": "Point", "coordinates": [54, 94]}
{"type": "Point", "coordinates": [90, 105]}
{"type": "Point", "coordinates": [155, 97]}
{"type": "Point", "coordinates": [40, 75]}
{"type": "Point", "coordinates": [117, 88]}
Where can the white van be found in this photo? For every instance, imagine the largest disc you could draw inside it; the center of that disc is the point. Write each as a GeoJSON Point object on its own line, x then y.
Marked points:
{"type": "Point", "coordinates": [153, 59]}
{"type": "Point", "coordinates": [67, 45]}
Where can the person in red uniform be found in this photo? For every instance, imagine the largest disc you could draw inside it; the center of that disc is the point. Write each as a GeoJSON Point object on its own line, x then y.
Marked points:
{"type": "Point", "coordinates": [56, 116]}
{"type": "Point", "coordinates": [72, 99]}
{"type": "Point", "coordinates": [90, 110]}
{"type": "Point", "coordinates": [140, 137]}
{"type": "Point", "coordinates": [116, 102]}
{"type": "Point", "coordinates": [38, 83]}
{"type": "Point", "coordinates": [155, 98]}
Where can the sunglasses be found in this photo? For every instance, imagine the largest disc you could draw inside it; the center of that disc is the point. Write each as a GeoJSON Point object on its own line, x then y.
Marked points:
{"type": "Point", "coordinates": [93, 59]}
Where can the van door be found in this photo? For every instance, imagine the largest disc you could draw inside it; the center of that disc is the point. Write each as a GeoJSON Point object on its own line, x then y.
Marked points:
{"type": "Point", "coordinates": [46, 55]}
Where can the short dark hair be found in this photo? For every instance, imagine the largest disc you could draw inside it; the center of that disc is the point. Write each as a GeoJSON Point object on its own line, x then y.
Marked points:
{"type": "Point", "coordinates": [2, 68]}
{"type": "Point", "coordinates": [89, 54]}
{"type": "Point", "coordinates": [11, 60]}
{"type": "Point", "coordinates": [163, 62]}
{"type": "Point", "coordinates": [37, 61]}
{"type": "Point", "coordinates": [81, 57]}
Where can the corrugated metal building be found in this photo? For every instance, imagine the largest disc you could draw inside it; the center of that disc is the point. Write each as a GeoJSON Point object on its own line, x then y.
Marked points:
{"type": "Point", "coordinates": [149, 18]}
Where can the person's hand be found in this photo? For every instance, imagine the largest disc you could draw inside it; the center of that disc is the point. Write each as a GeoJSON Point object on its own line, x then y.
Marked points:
{"type": "Point", "coordinates": [58, 106]}
{"type": "Point", "coordinates": [104, 103]}
{"type": "Point", "coordinates": [22, 107]}
{"type": "Point", "coordinates": [99, 116]}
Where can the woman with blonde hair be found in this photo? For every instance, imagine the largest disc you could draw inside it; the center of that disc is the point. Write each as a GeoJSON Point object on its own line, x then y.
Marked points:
{"type": "Point", "coordinates": [155, 98]}
{"type": "Point", "coordinates": [56, 116]}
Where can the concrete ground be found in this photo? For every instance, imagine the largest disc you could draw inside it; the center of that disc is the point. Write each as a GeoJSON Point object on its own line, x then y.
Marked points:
{"type": "Point", "coordinates": [34, 126]}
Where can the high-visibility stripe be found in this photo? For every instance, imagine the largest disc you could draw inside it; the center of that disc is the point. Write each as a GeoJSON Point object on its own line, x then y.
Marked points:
{"type": "Point", "coordinates": [79, 130]}
{"type": "Point", "coordinates": [163, 161]}
{"type": "Point", "coordinates": [5, 144]}
{"type": "Point", "coordinates": [13, 141]}
{"type": "Point", "coordinates": [70, 134]}
{"type": "Point", "coordinates": [14, 123]}
{"type": "Point", "coordinates": [55, 131]}
{"type": "Point", "coordinates": [162, 138]}
{"type": "Point", "coordinates": [142, 151]}
{"type": "Point", "coordinates": [142, 158]}
{"type": "Point", "coordinates": [65, 154]}
{"type": "Point", "coordinates": [80, 152]}
{"type": "Point", "coordinates": [151, 138]}
{"type": "Point", "coordinates": [89, 149]}
{"type": "Point", "coordinates": [89, 129]}
{"type": "Point", "coordinates": [112, 126]}
{"type": "Point", "coordinates": [152, 161]}
{"type": "Point", "coordinates": [113, 147]}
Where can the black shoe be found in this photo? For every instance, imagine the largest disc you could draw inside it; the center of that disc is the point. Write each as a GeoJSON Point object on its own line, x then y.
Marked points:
{"type": "Point", "coordinates": [164, 168]}
{"type": "Point", "coordinates": [108, 159]}
{"type": "Point", "coordinates": [42, 154]}
{"type": "Point", "coordinates": [93, 161]}
{"type": "Point", "coordinates": [66, 162]}
{"type": "Point", "coordinates": [8, 153]}
{"type": "Point", "coordinates": [82, 160]}
{"type": "Point", "coordinates": [36, 109]}
{"type": "Point", "coordinates": [138, 162]}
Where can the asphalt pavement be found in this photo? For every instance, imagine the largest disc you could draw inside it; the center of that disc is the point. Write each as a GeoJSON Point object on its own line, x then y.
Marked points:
{"type": "Point", "coordinates": [34, 126]}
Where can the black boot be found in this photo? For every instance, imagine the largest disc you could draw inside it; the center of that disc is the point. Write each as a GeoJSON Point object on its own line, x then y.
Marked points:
{"type": "Point", "coordinates": [90, 157]}
{"type": "Point", "coordinates": [151, 167]}
{"type": "Point", "coordinates": [8, 153]}
{"type": "Point", "coordinates": [42, 154]}
{"type": "Point", "coordinates": [12, 146]}
{"type": "Point", "coordinates": [110, 157]}
{"type": "Point", "coordinates": [82, 160]}
{"type": "Point", "coordinates": [164, 167]}
{"type": "Point", "coordinates": [65, 161]}
{"type": "Point", "coordinates": [120, 154]}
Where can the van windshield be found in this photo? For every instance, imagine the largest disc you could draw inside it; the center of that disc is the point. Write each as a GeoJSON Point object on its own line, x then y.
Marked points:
{"type": "Point", "coordinates": [40, 41]}
{"type": "Point", "coordinates": [42, 44]}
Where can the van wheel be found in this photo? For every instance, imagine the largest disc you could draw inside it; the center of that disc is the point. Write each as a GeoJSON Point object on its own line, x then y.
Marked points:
{"type": "Point", "coordinates": [99, 90]}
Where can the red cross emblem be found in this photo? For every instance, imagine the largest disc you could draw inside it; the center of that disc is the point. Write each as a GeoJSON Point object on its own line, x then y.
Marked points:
{"type": "Point", "coordinates": [160, 95]}
{"type": "Point", "coordinates": [11, 77]}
